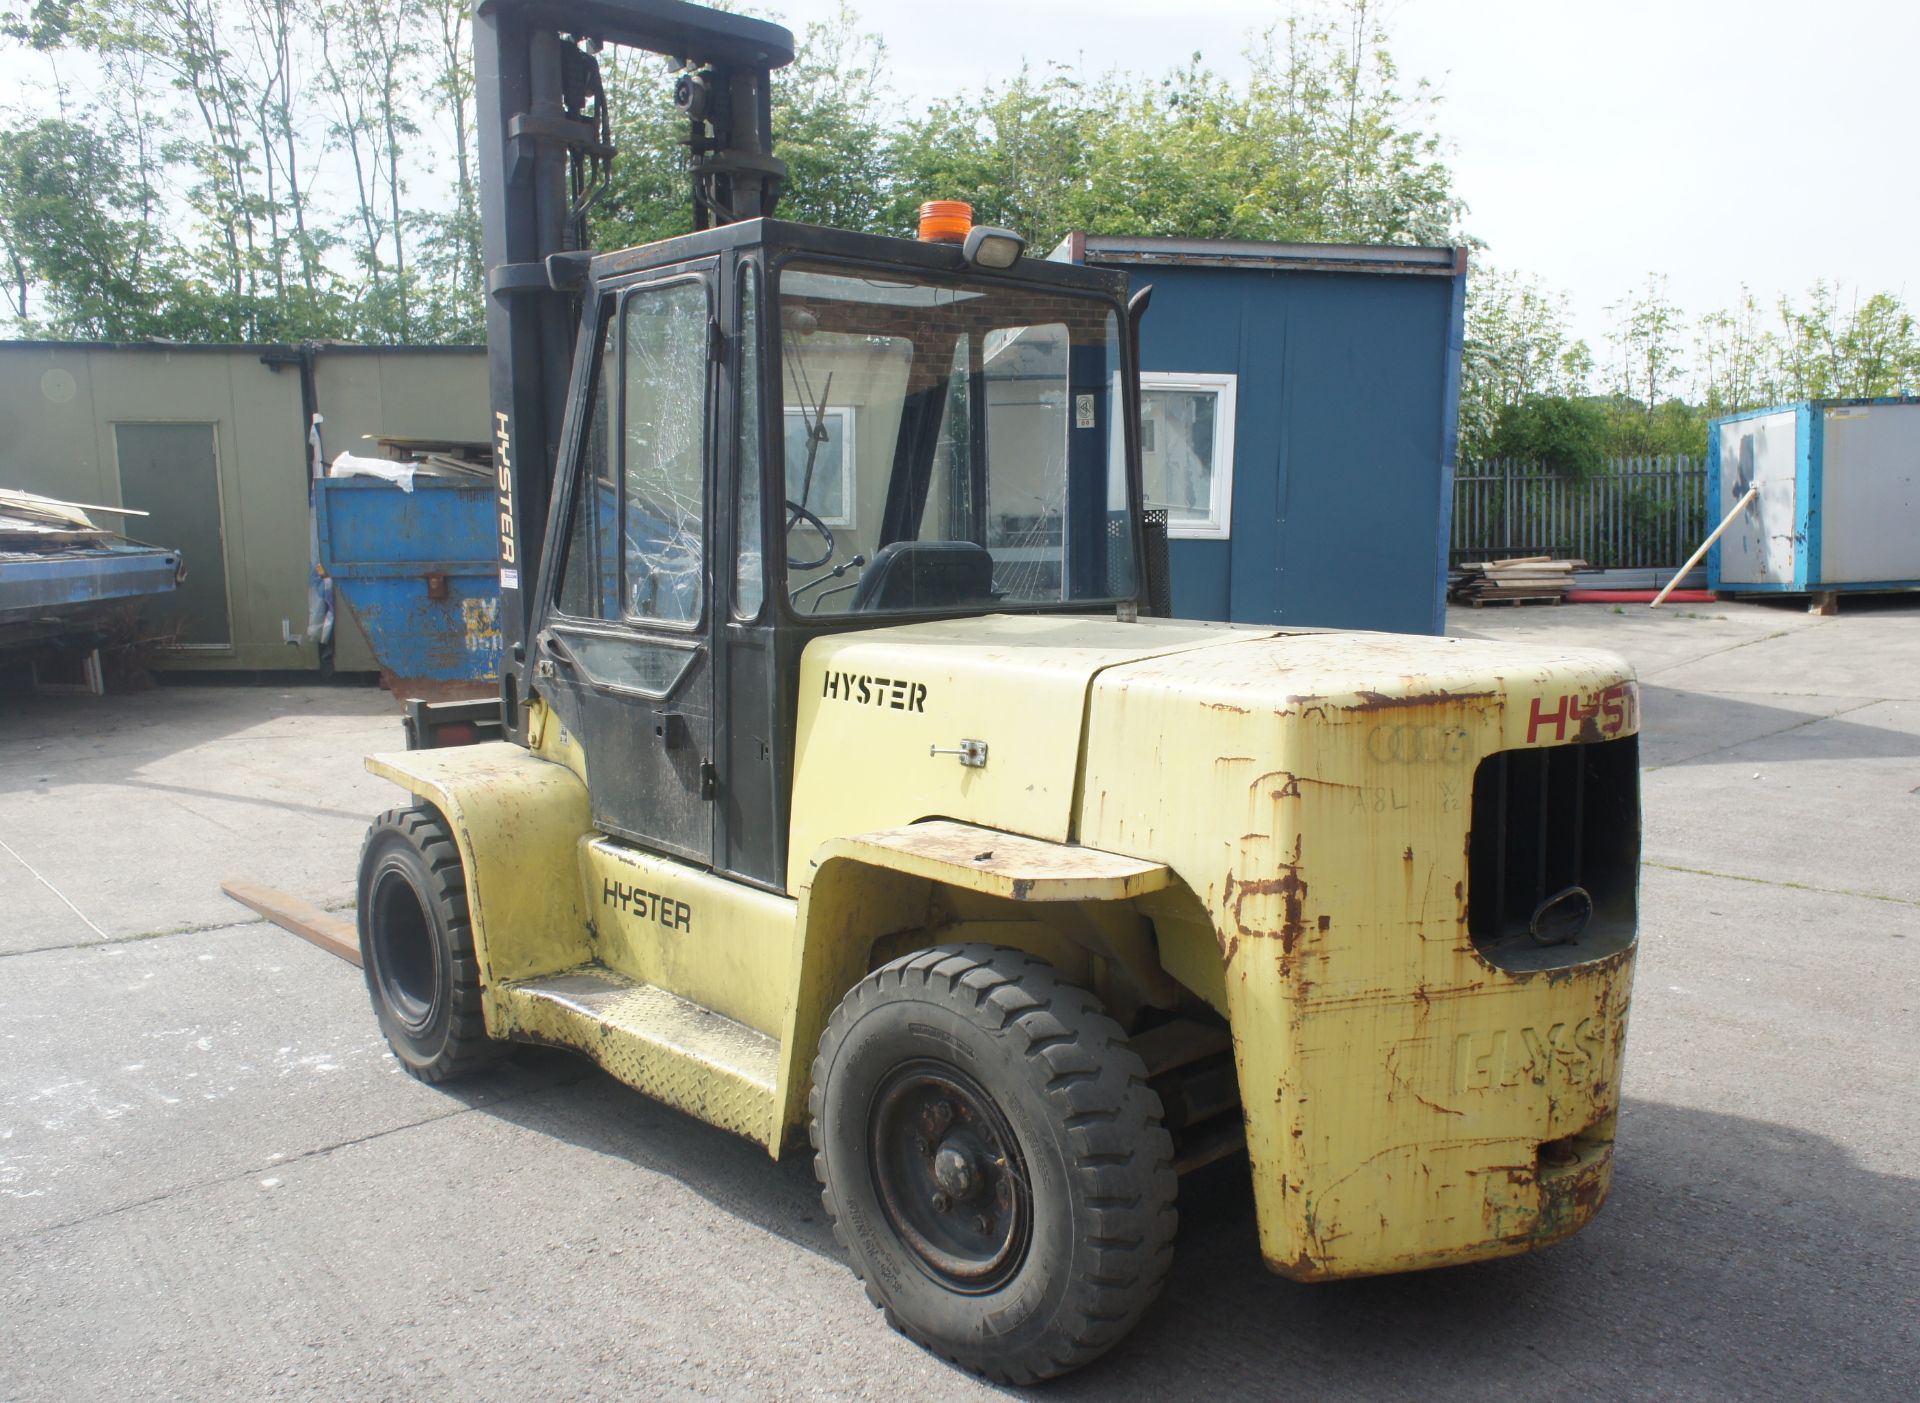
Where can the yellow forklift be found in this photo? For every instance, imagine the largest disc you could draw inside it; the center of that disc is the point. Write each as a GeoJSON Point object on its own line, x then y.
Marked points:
{"type": "Point", "coordinates": [846, 783]}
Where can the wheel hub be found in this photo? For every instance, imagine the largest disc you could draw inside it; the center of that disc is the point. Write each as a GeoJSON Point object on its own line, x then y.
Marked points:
{"type": "Point", "coordinates": [953, 1170]}
{"type": "Point", "coordinates": [949, 1176]}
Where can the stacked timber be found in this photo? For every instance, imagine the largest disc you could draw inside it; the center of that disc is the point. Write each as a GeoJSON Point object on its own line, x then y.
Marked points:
{"type": "Point", "coordinates": [459, 459]}
{"type": "Point", "coordinates": [31, 523]}
{"type": "Point", "coordinates": [1532, 579]}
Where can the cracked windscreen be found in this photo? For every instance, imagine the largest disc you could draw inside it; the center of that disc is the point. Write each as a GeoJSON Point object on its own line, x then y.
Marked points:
{"type": "Point", "coordinates": [950, 445]}
{"type": "Point", "coordinates": [663, 506]}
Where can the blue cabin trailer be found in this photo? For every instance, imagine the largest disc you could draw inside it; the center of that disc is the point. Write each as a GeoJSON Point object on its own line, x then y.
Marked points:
{"type": "Point", "coordinates": [1299, 418]}
{"type": "Point", "coordinates": [1839, 497]}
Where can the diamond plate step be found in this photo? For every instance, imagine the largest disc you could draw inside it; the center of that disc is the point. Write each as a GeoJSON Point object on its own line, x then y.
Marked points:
{"type": "Point", "coordinates": [669, 1047]}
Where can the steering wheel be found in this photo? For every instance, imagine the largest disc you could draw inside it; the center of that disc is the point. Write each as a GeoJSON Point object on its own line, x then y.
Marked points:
{"type": "Point", "coordinates": [796, 513]}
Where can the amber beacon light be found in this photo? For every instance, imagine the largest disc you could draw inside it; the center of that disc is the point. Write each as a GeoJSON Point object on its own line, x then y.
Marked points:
{"type": "Point", "coordinates": [945, 221]}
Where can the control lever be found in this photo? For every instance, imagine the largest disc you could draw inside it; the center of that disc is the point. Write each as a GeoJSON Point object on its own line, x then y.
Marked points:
{"type": "Point", "coordinates": [833, 574]}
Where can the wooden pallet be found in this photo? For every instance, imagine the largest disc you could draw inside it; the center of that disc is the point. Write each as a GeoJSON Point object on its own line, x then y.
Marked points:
{"type": "Point", "coordinates": [1480, 601]}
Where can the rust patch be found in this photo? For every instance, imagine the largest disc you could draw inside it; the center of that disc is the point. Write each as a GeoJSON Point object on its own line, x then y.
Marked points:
{"type": "Point", "coordinates": [1290, 789]}
{"type": "Point", "coordinates": [1407, 856]}
{"type": "Point", "coordinates": [1435, 1105]}
{"type": "Point", "coordinates": [436, 689]}
{"type": "Point", "coordinates": [1326, 923]}
{"type": "Point", "coordinates": [1227, 707]}
{"type": "Point", "coordinates": [1301, 1268]}
{"type": "Point", "coordinates": [1380, 701]}
{"type": "Point", "coordinates": [1290, 887]}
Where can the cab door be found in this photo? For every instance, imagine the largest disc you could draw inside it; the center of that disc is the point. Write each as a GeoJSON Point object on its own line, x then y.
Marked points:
{"type": "Point", "coordinates": [624, 654]}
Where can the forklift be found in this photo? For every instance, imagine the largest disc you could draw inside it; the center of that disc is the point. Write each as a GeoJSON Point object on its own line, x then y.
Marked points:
{"type": "Point", "coordinates": [849, 787]}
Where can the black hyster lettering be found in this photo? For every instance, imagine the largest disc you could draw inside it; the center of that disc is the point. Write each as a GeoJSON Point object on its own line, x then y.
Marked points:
{"type": "Point", "coordinates": [865, 689]}
{"type": "Point", "coordinates": [647, 905]}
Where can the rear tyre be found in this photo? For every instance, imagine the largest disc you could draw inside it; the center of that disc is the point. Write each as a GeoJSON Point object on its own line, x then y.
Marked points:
{"type": "Point", "coordinates": [992, 1161]}
{"type": "Point", "coordinates": [416, 947]}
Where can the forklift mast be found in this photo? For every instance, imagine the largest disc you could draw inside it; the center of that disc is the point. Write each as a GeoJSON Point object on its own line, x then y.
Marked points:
{"type": "Point", "coordinates": [545, 153]}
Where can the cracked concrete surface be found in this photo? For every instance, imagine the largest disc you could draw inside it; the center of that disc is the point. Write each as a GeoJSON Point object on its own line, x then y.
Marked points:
{"type": "Point", "coordinates": [215, 1183]}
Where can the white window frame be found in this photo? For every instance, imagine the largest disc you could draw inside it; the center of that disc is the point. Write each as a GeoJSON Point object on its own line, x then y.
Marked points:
{"type": "Point", "coordinates": [1225, 389]}
{"type": "Point", "coordinates": [847, 417]}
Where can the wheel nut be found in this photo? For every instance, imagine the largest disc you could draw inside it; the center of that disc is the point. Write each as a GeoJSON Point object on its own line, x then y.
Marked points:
{"type": "Point", "coordinates": [980, 1224]}
{"type": "Point", "coordinates": [920, 1144]}
{"type": "Point", "coordinates": [940, 1204]}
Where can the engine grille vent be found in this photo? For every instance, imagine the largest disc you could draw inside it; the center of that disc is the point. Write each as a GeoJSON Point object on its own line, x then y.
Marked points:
{"type": "Point", "coordinates": [1553, 857]}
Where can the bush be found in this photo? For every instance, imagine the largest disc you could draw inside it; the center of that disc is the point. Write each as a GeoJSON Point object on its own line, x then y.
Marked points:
{"type": "Point", "coordinates": [1566, 436]}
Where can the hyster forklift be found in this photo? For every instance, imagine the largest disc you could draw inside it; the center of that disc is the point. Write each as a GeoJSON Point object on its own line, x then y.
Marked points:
{"type": "Point", "coordinates": [846, 782]}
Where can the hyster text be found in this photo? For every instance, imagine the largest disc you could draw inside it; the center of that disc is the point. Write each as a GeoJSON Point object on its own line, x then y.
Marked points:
{"type": "Point", "coordinates": [647, 905]}
{"type": "Point", "coordinates": [865, 690]}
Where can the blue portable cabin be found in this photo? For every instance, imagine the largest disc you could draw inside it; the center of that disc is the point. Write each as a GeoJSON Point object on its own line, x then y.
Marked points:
{"type": "Point", "coordinates": [1300, 410]}
{"type": "Point", "coordinates": [1838, 503]}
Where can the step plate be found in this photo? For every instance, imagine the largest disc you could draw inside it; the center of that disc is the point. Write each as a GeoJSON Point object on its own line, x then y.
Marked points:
{"type": "Point", "coordinates": [672, 1049]}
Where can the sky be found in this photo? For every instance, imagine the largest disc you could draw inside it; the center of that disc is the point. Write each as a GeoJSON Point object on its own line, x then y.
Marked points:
{"type": "Point", "coordinates": [1719, 142]}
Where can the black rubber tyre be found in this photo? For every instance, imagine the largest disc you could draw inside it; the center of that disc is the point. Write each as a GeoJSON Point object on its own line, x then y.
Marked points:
{"type": "Point", "coordinates": [416, 946]}
{"type": "Point", "coordinates": [976, 1070]}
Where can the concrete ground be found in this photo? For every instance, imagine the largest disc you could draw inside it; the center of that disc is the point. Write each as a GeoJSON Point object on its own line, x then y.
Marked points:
{"type": "Point", "coordinates": [215, 1183]}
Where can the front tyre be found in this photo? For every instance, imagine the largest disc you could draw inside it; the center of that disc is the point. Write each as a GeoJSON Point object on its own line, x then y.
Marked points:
{"type": "Point", "coordinates": [992, 1160]}
{"type": "Point", "coordinates": [416, 946]}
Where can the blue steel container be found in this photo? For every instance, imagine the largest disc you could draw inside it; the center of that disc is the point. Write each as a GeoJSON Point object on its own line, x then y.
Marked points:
{"type": "Point", "coordinates": [418, 571]}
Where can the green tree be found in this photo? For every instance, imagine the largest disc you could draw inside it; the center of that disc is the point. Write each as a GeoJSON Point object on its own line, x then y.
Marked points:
{"type": "Point", "coordinates": [647, 196]}
{"type": "Point", "coordinates": [71, 233]}
{"type": "Point", "coordinates": [1015, 154]}
{"type": "Point", "coordinates": [273, 148]}
{"type": "Point", "coordinates": [1569, 436]}
{"type": "Point", "coordinates": [1738, 359]}
{"type": "Point", "coordinates": [1519, 347]}
{"type": "Point", "coordinates": [1351, 157]}
{"type": "Point", "coordinates": [830, 120]}
{"type": "Point", "coordinates": [1671, 427]}
{"type": "Point", "coordinates": [1647, 337]}
{"type": "Point", "coordinates": [1827, 352]}
{"type": "Point", "coordinates": [1319, 143]}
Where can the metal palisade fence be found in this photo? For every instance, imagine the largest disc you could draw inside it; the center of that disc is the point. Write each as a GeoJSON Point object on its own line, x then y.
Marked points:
{"type": "Point", "coordinates": [1632, 514]}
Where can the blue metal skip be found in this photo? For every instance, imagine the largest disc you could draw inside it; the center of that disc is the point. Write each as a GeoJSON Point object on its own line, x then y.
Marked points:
{"type": "Point", "coordinates": [417, 570]}
{"type": "Point", "coordinates": [1348, 366]}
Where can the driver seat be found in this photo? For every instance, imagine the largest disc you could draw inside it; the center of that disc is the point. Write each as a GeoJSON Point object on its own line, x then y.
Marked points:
{"type": "Point", "coordinates": [925, 575]}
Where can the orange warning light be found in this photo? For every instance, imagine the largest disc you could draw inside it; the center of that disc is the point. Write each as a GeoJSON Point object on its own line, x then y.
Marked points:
{"type": "Point", "coordinates": [945, 221]}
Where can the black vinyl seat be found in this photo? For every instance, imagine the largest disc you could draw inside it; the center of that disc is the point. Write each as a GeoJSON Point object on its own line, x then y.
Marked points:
{"type": "Point", "coordinates": [925, 575]}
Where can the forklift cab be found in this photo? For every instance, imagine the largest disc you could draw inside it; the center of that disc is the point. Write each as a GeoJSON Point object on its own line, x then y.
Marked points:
{"type": "Point", "coordinates": [776, 432]}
